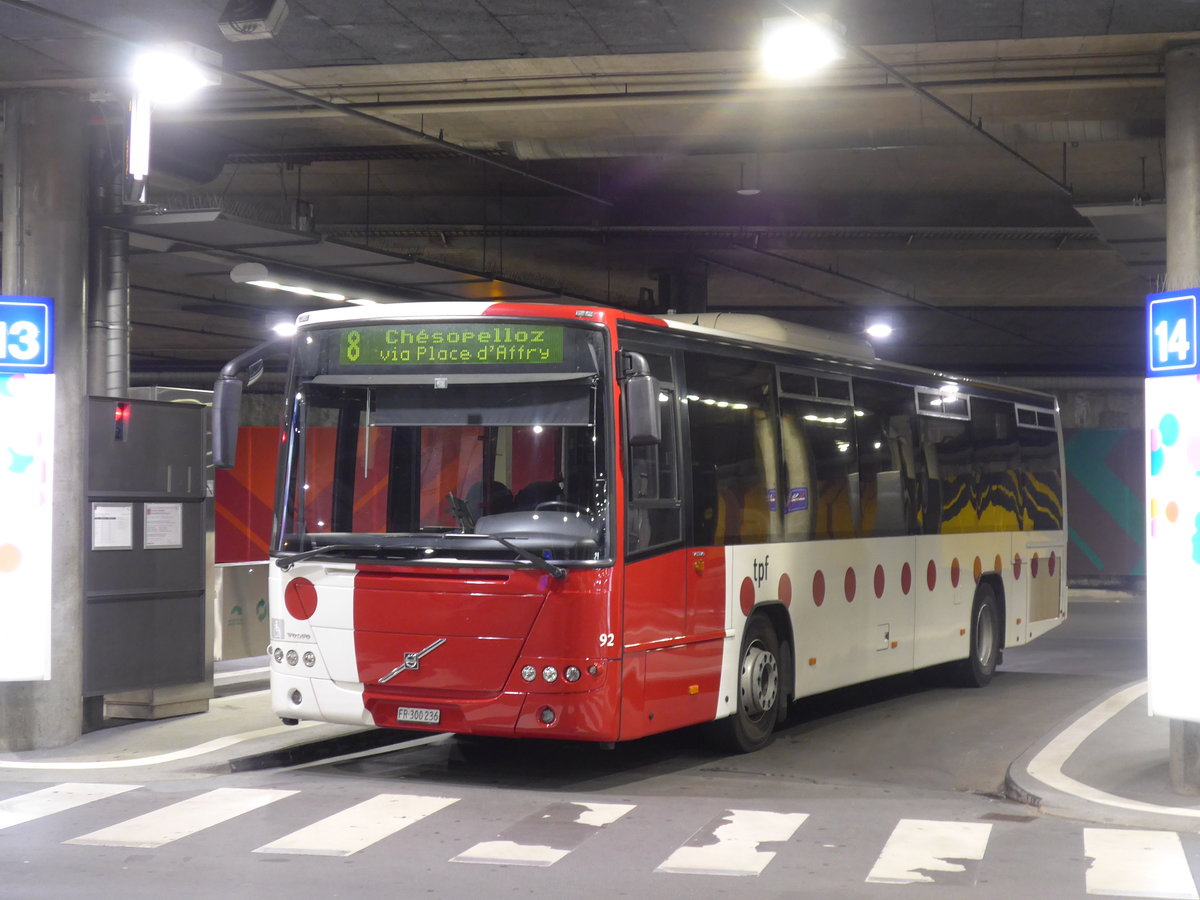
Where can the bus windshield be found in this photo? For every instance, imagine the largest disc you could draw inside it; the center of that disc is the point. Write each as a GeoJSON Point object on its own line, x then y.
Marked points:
{"type": "Point", "coordinates": [446, 461]}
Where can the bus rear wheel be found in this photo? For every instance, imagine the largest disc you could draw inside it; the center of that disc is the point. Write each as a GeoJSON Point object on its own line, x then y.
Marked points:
{"type": "Point", "coordinates": [984, 653]}
{"type": "Point", "coordinates": [760, 692]}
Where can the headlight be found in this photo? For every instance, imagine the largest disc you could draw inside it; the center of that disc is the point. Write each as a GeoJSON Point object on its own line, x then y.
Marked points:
{"type": "Point", "coordinates": [310, 659]}
{"type": "Point", "coordinates": [278, 654]}
{"type": "Point", "coordinates": [293, 657]}
{"type": "Point", "coordinates": [550, 674]}
{"type": "Point", "coordinates": [529, 673]}
{"type": "Point", "coordinates": [572, 674]}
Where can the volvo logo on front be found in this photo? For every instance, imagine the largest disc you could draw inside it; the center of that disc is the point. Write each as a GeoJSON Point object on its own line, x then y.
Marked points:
{"type": "Point", "coordinates": [412, 661]}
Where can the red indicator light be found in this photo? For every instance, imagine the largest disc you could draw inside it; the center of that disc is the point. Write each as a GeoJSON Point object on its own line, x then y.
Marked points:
{"type": "Point", "coordinates": [120, 420]}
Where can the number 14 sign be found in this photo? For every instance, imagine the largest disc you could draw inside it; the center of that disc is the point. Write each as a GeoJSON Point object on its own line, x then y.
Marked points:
{"type": "Point", "coordinates": [26, 335]}
{"type": "Point", "coordinates": [1171, 332]}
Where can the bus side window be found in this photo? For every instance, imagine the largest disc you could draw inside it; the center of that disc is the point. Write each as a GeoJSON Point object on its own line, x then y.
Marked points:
{"type": "Point", "coordinates": [822, 470]}
{"type": "Point", "coordinates": [735, 467]}
{"type": "Point", "coordinates": [1041, 476]}
{"type": "Point", "coordinates": [883, 416]}
{"type": "Point", "coordinates": [652, 517]}
{"type": "Point", "coordinates": [997, 464]}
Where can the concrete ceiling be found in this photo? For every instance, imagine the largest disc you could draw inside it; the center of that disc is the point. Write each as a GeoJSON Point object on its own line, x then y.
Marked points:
{"type": "Point", "coordinates": [594, 148]}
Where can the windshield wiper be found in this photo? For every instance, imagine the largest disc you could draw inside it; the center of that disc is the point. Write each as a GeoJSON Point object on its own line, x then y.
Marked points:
{"type": "Point", "coordinates": [286, 562]}
{"type": "Point", "coordinates": [544, 564]}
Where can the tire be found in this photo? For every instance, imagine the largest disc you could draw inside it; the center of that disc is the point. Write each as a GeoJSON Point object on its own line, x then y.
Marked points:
{"type": "Point", "coordinates": [984, 650]}
{"type": "Point", "coordinates": [760, 692]}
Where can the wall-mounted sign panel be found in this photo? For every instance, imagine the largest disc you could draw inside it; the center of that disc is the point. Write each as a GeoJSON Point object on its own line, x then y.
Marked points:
{"type": "Point", "coordinates": [1171, 334]}
{"type": "Point", "coordinates": [26, 486]}
{"type": "Point", "coordinates": [1173, 504]}
{"type": "Point", "coordinates": [27, 335]}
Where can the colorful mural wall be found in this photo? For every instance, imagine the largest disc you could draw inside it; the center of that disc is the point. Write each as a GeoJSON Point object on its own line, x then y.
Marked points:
{"type": "Point", "coordinates": [1105, 504]}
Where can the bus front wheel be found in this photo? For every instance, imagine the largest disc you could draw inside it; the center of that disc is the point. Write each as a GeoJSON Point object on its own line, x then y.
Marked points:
{"type": "Point", "coordinates": [984, 650]}
{"type": "Point", "coordinates": [760, 692]}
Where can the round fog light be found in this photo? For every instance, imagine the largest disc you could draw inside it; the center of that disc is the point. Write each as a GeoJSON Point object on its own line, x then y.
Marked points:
{"type": "Point", "coordinates": [310, 659]}
{"type": "Point", "coordinates": [546, 715]}
{"type": "Point", "coordinates": [572, 674]}
{"type": "Point", "coordinates": [529, 673]}
{"type": "Point", "coordinates": [278, 654]}
{"type": "Point", "coordinates": [293, 657]}
{"type": "Point", "coordinates": [295, 697]}
{"type": "Point", "coordinates": [550, 674]}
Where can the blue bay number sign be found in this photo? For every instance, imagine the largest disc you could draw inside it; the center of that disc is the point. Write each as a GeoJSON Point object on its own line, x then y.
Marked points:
{"type": "Point", "coordinates": [1171, 333]}
{"type": "Point", "coordinates": [26, 335]}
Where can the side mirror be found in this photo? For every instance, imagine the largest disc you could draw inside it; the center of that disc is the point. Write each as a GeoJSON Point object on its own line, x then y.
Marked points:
{"type": "Point", "coordinates": [643, 421]}
{"type": "Point", "coordinates": [227, 397]}
{"type": "Point", "coordinates": [226, 414]}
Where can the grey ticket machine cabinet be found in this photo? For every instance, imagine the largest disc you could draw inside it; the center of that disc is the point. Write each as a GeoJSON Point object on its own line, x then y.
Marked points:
{"type": "Point", "coordinates": [147, 641]}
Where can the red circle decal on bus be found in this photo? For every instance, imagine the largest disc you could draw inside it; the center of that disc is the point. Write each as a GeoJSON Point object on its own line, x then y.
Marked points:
{"type": "Point", "coordinates": [785, 590]}
{"type": "Point", "coordinates": [850, 585]}
{"type": "Point", "coordinates": [747, 596]}
{"type": "Point", "coordinates": [906, 579]}
{"type": "Point", "coordinates": [879, 581]}
{"type": "Point", "coordinates": [1051, 563]}
{"type": "Point", "coordinates": [818, 588]}
{"type": "Point", "coordinates": [977, 569]}
{"type": "Point", "coordinates": [300, 598]}
{"type": "Point", "coordinates": [1017, 567]}
{"type": "Point", "coordinates": [954, 572]}
{"type": "Point", "coordinates": [1033, 566]}
{"type": "Point", "coordinates": [999, 564]}
{"type": "Point", "coordinates": [931, 575]}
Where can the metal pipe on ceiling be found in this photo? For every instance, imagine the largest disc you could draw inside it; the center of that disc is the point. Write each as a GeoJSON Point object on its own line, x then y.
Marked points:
{"type": "Point", "coordinates": [636, 99]}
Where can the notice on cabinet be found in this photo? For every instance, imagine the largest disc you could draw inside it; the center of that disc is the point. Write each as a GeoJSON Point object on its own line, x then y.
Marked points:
{"type": "Point", "coordinates": [112, 526]}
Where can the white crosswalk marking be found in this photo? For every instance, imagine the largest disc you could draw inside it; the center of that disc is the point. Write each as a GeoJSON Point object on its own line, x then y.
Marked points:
{"type": "Point", "coordinates": [1132, 863]}
{"type": "Point", "coordinates": [181, 819]}
{"type": "Point", "coordinates": [27, 807]}
{"type": "Point", "coordinates": [917, 846]}
{"type": "Point", "coordinates": [545, 838]}
{"type": "Point", "coordinates": [738, 834]}
{"type": "Point", "coordinates": [359, 826]}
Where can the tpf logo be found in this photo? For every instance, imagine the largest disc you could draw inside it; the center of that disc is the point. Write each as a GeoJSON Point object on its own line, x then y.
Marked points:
{"type": "Point", "coordinates": [759, 570]}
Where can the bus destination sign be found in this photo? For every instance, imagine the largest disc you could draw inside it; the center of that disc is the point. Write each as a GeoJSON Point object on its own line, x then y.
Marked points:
{"type": "Point", "coordinates": [459, 343]}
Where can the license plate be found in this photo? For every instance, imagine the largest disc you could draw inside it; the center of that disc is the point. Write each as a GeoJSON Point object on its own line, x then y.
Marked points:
{"type": "Point", "coordinates": [416, 714]}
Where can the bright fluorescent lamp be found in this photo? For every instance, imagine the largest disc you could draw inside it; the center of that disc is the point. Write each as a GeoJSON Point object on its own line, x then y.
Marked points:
{"type": "Point", "coordinates": [797, 46]}
{"type": "Point", "coordinates": [173, 73]}
{"type": "Point", "coordinates": [284, 329]}
{"type": "Point", "coordinates": [879, 330]}
{"type": "Point", "coordinates": [291, 282]}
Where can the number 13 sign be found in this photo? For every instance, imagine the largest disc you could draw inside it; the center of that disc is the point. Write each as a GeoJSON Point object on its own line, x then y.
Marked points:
{"type": "Point", "coordinates": [27, 335]}
{"type": "Point", "coordinates": [1171, 331]}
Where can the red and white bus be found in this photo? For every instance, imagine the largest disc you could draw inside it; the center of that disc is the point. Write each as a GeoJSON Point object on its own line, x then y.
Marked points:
{"type": "Point", "coordinates": [579, 522]}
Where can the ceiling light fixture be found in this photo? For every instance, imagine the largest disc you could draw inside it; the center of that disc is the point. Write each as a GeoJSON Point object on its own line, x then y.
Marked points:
{"type": "Point", "coordinates": [299, 282]}
{"type": "Point", "coordinates": [797, 46]}
{"type": "Point", "coordinates": [747, 190]}
{"type": "Point", "coordinates": [879, 330]}
{"type": "Point", "coordinates": [174, 73]}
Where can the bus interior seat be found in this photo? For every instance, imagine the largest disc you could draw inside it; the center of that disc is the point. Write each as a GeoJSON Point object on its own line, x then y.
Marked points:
{"type": "Point", "coordinates": [485, 501]}
{"type": "Point", "coordinates": [537, 492]}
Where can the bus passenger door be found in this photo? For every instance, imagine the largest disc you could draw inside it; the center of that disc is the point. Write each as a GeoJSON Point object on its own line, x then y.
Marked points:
{"type": "Point", "coordinates": [655, 606]}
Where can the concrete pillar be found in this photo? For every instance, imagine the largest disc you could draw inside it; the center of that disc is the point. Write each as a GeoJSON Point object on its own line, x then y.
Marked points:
{"type": "Point", "coordinates": [45, 254]}
{"type": "Point", "coordinates": [1183, 271]}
